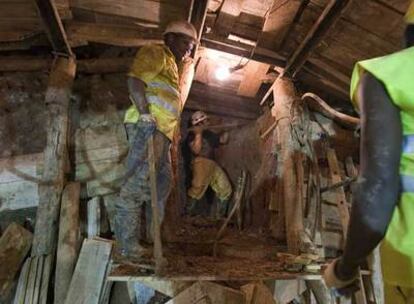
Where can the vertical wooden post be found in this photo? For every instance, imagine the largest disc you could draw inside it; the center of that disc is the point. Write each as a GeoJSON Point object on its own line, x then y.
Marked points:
{"type": "Point", "coordinates": [56, 155]}
{"type": "Point", "coordinates": [284, 95]}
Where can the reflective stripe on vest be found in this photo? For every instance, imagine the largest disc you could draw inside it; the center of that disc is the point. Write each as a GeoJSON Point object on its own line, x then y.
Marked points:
{"type": "Point", "coordinates": [407, 183]}
{"type": "Point", "coordinates": [408, 144]}
{"type": "Point", "coordinates": [164, 86]}
{"type": "Point", "coordinates": [163, 104]}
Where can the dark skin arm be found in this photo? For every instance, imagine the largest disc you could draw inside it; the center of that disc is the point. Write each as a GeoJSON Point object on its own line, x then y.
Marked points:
{"type": "Point", "coordinates": [136, 89]}
{"type": "Point", "coordinates": [377, 190]}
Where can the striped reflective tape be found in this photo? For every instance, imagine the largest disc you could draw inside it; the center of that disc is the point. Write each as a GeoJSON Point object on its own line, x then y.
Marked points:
{"type": "Point", "coordinates": [164, 86]}
{"type": "Point", "coordinates": [163, 104]}
{"type": "Point", "coordinates": [408, 144]}
{"type": "Point", "coordinates": [407, 183]}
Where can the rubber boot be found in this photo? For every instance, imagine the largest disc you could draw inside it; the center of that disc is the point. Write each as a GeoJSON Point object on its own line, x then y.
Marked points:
{"type": "Point", "coordinates": [191, 208]}
{"type": "Point", "coordinates": [127, 233]}
{"type": "Point", "coordinates": [221, 210]}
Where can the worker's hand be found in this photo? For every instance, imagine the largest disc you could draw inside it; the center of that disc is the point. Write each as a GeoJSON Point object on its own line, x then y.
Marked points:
{"type": "Point", "coordinates": [147, 123]}
{"type": "Point", "coordinates": [341, 287]}
{"type": "Point", "coordinates": [147, 118]}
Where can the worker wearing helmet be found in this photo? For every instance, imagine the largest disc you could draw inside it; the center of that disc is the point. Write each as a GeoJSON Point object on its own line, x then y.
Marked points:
{"type": "Point", "coordinates": [155, 110]}
{"type": "Point", "coordinates": [383, 209]}
{"type": "Point", "coordinates": [205, 171]}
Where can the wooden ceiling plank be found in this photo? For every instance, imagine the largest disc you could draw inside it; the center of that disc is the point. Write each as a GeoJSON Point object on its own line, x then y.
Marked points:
{"type": "Point", "coordinates": [377, 19]}
{"type": "Point", "coordinates": [229, 12]}
{"type": "Point", "coordinates": [154, 12]}
{"type": "Point", "coordinates": [120, 35]}
{"type": "Point", "coordinates": [277, 23]}
{"type": "Point", "coordinates": [254, 73]}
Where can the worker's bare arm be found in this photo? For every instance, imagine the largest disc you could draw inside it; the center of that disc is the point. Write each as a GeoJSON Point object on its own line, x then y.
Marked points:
{"type": "Point", "coordinates": [196, 143]}
{"type": "Point", "coordinates": [136, 89]}
{"type": "Point", "coordinates": [377, 190]}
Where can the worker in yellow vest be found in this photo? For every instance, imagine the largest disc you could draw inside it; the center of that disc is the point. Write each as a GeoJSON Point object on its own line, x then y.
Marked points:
{"type": "Point", "coordinates": [205, 170]}
{"type": "Point", "coordinates": [153, 85]}
{"type": "Point", "coordinates": [383, 210]}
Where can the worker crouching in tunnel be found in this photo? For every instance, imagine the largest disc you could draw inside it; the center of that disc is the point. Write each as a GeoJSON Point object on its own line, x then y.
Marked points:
{"type": "Point", "coordinates": [205, 171]}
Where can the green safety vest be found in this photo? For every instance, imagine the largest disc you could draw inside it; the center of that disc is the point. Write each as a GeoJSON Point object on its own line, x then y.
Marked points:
{"type": "Point", "coordinates": [396, 72]}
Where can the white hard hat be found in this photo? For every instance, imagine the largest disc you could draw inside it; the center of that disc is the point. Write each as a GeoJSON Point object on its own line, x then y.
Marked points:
{"type": "Point", "coordinates": [198, 117]}
{"type": "Point", "coordinates": [181, 27]}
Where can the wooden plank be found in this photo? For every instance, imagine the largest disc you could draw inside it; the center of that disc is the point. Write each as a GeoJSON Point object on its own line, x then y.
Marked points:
{"type": "Point", "coordinates": [229, 12]}
{"type": "Point", "coordinates": [94, 217]}
{"type": "Point", "coordinates": [46, 273]}
{"type": "Point", "coordinates": [120, 35]}
{"type": "Point", "coordinates": [38, 280]}
{"type": "Point", "coordinates": [257, 293]}
{"type": "Point", "coordinates": [340, 194]}
{"type": "Point", "coordinates": [56, 156]}
{"type": "Point", "coordinates": [277, 23]}
{"type": "Point", "coordinates": [14, 246]}
{"type": "Point", "coordinates": [22, 284]}
{"type": "Point", "coordinates": [30, 294]}
{"type": "Point", "coordinates": [89, 276]}
{"type": "Point", "coordinates": [168, 287]}
{"type": "Point", "coordinates": [254, 73]}
{"type": "Point", "coordinates": [376, 18]}
{"type": "Point", "coordinates": [106, 290]}
{"type": "Point", "coordinates": [68, 241]}
{"type": "Point", "coordinates": [153, 12]}
{"type": "Point", "coordinates": [207, 292]}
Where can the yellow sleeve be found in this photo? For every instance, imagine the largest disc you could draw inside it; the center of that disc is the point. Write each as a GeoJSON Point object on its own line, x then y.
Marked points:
{"type": "Point", "coordinates": [148, 63]}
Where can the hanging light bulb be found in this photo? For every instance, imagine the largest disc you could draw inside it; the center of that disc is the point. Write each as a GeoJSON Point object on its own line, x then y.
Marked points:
{"type": "Point", "coordinates": [222, 73]}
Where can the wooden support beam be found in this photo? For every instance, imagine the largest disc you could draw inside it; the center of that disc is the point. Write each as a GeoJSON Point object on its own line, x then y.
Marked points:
{"type": "Point", "coordinates": [284, 95]}
{"type": "Point", "coordinates": [229, 12]}
{"type": "Point", "coordinates": [69, 240]}
{"type": "Point", "coordinates": [53, 26]}
{"type": "Point", "coordinates": [14, 246]}
{"type": "Point", "coordinates": [56, 156]}
{"type": "Point", "coordinates": [198, 15]}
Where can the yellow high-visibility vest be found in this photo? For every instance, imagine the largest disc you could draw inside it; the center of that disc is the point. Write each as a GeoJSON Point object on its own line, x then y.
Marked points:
{"type": "Point", "coordinates": [396, 72]}
{"type": "Point", "coordinates": [155, 65]}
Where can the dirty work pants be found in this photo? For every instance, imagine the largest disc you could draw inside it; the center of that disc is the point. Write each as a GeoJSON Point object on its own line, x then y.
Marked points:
{"type": "Point", "coordinates": [398, 295]}
{"type": "Point", "coordinates": [207, 172]}
{"type": "Point", "coordinates": [135, 191]}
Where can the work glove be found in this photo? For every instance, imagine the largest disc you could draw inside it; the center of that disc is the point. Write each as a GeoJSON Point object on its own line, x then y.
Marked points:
{"type": "Point", "coordinates": [147, 118]}
{"type": "Point", "coordinates": [147, 123]}
{"type": "Point", "coordinates": [339, 286]}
